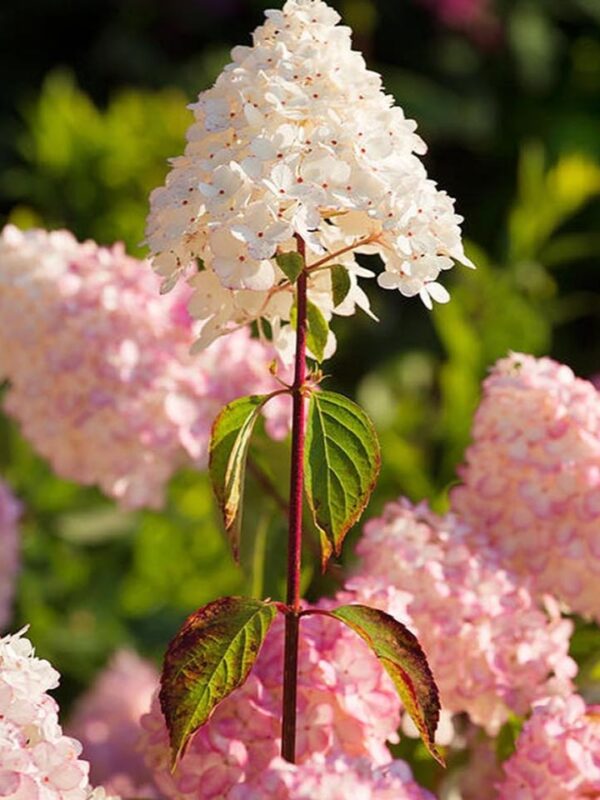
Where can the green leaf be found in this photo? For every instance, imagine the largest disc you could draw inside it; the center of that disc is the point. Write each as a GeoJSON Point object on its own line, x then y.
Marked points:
{"type": "Point", "coordinates": [506, 740]}
{"type": "Point", "coordinates": [228, 451]}
{"type": "Point", "coordinates": [291, 264]}
{"type": "Point", "coordinates": [342, 461]}
{"type": "Point", "coordinates": [405, 662]}
{"type": "Point", "coordinates": [318, 331]}
{"type": "Point", "coordinates": [340, 283]}
{"type": "Point", "coordinates": [211, 655]}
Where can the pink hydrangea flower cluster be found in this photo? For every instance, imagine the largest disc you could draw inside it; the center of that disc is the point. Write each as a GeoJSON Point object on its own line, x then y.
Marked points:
{"type": "Point", "coordinates": [106, 720]}
{"type": "Point", "coordinates": [37, 762]}
{"type": "Point", "coordinates": [10, 511]}
{"type": "Point", "coordinates": [532, 477]}
{"type": "Point", "coordinates": [558, 754]}
{"type": "Point", "coordinates": [492, 649]}
{"type": "Point", "coordinates": [332, 779]}
{"type": "Point", "coordinates": [347, 706]}
{"type": "Point", "coordinates": [465, 14]}
{"type": "Point", "coordinates": [478, 19]}
{"type": "Point", "coordinates": [101, 380]}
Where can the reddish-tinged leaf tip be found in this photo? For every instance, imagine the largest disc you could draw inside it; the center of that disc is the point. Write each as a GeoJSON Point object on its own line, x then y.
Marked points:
{"type": "Point", "coordinates": [404, 660]}
{"type": "Point", "coordinates": [211, 655]}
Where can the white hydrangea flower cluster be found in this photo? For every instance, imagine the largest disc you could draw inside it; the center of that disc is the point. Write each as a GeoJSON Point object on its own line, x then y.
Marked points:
{"type": "Point", "coordinates": [298, 139]}
{"type": "Point", "coordinates": [37, 762]}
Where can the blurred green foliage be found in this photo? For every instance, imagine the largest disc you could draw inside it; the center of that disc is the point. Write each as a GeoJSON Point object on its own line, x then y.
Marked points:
{"type": "Point", "coordinates": [90, 170]}
{"type": "Point", "coordinates": [513, 125]}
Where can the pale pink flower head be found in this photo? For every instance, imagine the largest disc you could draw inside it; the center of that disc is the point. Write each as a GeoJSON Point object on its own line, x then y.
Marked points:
{"type": "Point", "coordinates": [531, 481]}
{"type": "Point", "coordinates": [37, 762]}
{"type": "Point", "coordinates": [347, 706]}
{"type": "Point", "coordinates": [333, 778]}
{"type": "Point", "coordinates": [106, 720]}
{"type": "Point", "coordinates": [492, 649]}
{"type": "Point", "coordinates": [557, 755]}
{"type": "Point", "coordinates": [100, 375]}
{"type": "Point", "coordinates": [10, 511]}
{"type": "Point", "coordinates": [475, 17]}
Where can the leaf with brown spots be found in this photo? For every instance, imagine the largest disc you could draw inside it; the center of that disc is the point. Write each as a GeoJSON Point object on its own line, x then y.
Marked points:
{"type": "Point", "coordinates": [211, 656]}
{"type": "Point", "coordinates": [405, 662]}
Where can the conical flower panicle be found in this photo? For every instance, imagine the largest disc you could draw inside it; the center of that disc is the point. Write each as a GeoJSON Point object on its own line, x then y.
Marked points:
{"type": "Point", "coordinates": [297, 138]}
{"type": "Point", "coordinates": [531, 478]}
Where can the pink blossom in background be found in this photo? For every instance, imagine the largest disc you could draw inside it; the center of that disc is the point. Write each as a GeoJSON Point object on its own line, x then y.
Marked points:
{"type": "Point", "coordinates": [475, 17]}
{"type": "Point", "coordinates": [332, 779]}
{"type": "Point", "coordinates": [557, 756]}
{"type": "Point", "coordinates": [346, 703]}
{"type": "Point", "coordinates": [492, 649]}
{"type": "Point", "coordinates": [458, 13]}
{"type": "Point", "coordinates": [10, 511]}
{"type": "Point", "coordinates": [106, 720]}
{"type": "Point", "coordinates": [37, 762]}
{"type": "Point", "coordinates": [101, 381]}
{"type": "Point", "coordinates": [531, 481]}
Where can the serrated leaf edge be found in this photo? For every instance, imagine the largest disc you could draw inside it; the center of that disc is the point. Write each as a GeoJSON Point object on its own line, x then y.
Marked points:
{"type": "Point", "coordinates": [178, 749]}
{"type": "Point", "coordinates": [336, 546]}
{"type": "Point", "coordinates": [428, 740]}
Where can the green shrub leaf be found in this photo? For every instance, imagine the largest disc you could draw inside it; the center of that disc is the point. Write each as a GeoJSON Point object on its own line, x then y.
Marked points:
{"type": "Point", "coordinates": [228, 452]}
{"type": "Point", "coordinates": [405, 662]}
{"type": "Point", "coordinates": [291, 264]}
{"type": "Point", "coordinates": [342, 462]}
{"type": "Point", "coordinates": [340, 284]}
{"type": "Point", "coordinates": [211, 655]}
{"type": "Point", "coordinates": [318, 331]}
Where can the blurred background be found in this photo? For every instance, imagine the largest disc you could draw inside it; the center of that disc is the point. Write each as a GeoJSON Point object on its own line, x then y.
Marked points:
{"type": "Point", "coordinates": [93, 101]}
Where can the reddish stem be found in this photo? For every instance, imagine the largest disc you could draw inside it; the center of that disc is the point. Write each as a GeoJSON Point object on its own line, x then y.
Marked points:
{"type": "Point", "coordinates": [292, 620]}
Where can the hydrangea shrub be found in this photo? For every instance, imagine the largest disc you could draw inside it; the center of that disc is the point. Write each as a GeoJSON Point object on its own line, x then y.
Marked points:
{"type": "Point", "coordinates": [502, 649]}
{"type": "Point", "coordinates": [101, 380]}
{"type": "Point", "coordinates": [297, 163]}
{"type": "Point", "coordinates": [531, 480]}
